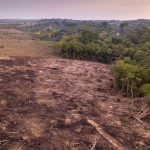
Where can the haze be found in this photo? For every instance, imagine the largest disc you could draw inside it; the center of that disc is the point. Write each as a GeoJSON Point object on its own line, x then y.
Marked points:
{"type": "Point", "coordinates": [75, 9]}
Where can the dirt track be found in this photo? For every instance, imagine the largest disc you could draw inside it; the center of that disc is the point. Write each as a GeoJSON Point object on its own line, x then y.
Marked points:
{"type": "Point", "coordinates": [58, 104]}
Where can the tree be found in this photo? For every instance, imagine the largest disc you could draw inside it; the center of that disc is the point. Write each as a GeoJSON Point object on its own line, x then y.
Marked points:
{"type": "Point", "coordinates": [117, 40]}
{"type": "Point", "coordinates": [139, 55]}
{"type": "Point", "coordinates": [129, 52]}
{"type": "Point", "coordinates": [122, 26]}
{"type": "Point", "coordinates": [105, 24]}
{"type": "Point", "coordinates": [126, 77]}
{"type": "Point", "coordinates": [87, 36]}
{"type": "Point", "coordinates": [146, 90]}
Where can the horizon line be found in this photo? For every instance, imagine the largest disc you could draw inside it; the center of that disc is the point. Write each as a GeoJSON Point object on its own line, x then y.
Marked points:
{"type": "Point", "coordinates": [74, 19]}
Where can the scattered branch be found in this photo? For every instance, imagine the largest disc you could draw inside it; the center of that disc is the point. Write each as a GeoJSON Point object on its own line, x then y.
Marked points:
{"type": "Point", "coordinates": [138, 119]}
{"type": "Point", "coordinates": [95, 141]}
{"type": "Point", "coordinates": [4, 144]}
{"type": "Point", "coordinates": [3, 141]}
{"type": "Point", "coordinates": [141, 114]}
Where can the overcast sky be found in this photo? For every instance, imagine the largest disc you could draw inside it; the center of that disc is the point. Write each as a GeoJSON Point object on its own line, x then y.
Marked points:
{"type": "Point", "coordinates": [75, 9]}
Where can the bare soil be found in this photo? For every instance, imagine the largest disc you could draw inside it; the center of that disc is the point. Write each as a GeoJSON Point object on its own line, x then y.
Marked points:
{"type": "Point", "coordinates": [59, 104]}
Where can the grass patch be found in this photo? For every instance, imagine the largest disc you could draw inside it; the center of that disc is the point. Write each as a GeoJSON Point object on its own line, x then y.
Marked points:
{"type": "Point", "coordinates": [14, 47]}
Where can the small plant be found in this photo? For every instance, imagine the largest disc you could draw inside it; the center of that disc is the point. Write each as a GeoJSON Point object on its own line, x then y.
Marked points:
{"type": "Point", "coordinates": [88, 76]}
{"type": "Point", "coordinates": [104, 99]}
{"type": "Point", "coordinates": [122, 119]}
{"type": "Point", "coordinates": [116, 100]}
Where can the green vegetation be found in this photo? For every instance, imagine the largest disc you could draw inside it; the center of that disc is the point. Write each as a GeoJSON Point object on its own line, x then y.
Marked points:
{"type": "Point", "coordinates": [129, 77]}
{"type": "Point", "coordinates": [115, 100]}
{"type": "Point", "coordinates": [104, 99]}
{"type": "Point", "coordinates": [146, 90]}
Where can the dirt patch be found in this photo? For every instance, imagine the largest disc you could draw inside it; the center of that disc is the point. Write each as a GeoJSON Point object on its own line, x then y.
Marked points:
{"type": "Point", "coordinates": [46, 103]}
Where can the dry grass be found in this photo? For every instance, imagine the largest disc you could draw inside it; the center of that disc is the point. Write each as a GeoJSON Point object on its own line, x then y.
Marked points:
{"type": "Point", "coordinates": [7, 35]}
{"type": "Point", "coordinates": [14, 34]}
{"type": "Point", "coordinates": [27, 24]}
{"type": "Point", "coordinates": [19, 43]}
{"type": "Point", "coordinates": [11, 30]}
{"type": "Point", "coordinates": [16, 47]}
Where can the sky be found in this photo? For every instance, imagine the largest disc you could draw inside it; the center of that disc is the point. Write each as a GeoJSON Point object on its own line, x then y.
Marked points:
{"type": "Point", "coordinates": [75, 9]}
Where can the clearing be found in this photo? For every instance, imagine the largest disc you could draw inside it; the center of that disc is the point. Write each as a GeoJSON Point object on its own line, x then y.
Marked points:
{"type": "Point", "coordinates": [59, 104]}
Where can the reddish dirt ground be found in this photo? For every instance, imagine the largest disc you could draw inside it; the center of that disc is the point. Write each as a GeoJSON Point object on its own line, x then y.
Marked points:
{"type": "Point", "coordinates": [58, 104]}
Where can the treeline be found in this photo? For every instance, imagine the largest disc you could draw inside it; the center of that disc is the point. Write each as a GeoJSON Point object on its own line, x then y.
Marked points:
{"type": "Point", "coordinates": [88, 46]}
{"type": "Point", "coordinates": [91, 46]}
{"type": "Point", "coordinates": [55, 29]}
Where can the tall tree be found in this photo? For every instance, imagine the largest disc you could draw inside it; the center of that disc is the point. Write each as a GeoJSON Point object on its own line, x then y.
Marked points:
{"type": "Point", "coordinates": [87, 36]}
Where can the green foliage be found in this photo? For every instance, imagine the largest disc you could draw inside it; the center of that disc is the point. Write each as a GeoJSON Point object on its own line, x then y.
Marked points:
{"type": "Point", "coordinates": [139, 55]}
{"type": "Point", "coordinates": [129, 52]}
{"type": "Point", "coordinates": [115, 100]}
{"type": "Point", "coordinates": [128, 78]}
{"type": "Point", "coordinates": [145, 88]}
{"type": "Point", "coordinates": [87, 36]}
{"type": "Point", "coordinates": [117, 40]}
